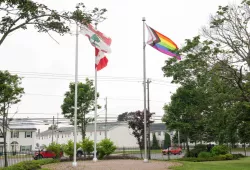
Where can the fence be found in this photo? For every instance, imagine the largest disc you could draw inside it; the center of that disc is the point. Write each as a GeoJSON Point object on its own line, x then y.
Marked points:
{"type": "Point", "coordinates": [15, 157]}
{"type": "Point", "coordinates": [151, 154]}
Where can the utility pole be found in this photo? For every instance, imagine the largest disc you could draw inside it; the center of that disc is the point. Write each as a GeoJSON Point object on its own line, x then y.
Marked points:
{"type": "Point", "coordinates": [106, 110]}
{"type": "Point", "coordinates": [53, 129]}
{"type": "Point", "coordinates": [149, 155]}
{"type": "Point", "coordinates": [57, 130]}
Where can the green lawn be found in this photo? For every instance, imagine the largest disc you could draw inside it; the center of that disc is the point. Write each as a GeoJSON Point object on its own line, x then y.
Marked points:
{"type": "Point", "coordinates": [242, 164]}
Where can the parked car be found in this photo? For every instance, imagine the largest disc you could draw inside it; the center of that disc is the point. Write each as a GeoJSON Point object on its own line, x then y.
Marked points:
{"type": "Point", "coordinates": [172, 150]}
{"type": "Point", "coordinates": [80, 152]}
{"type": "Point", "coordinates": [45, 154]}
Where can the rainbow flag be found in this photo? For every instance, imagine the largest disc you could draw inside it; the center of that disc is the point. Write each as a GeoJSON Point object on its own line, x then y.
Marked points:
{"type": "Point", "coordinates": [162, 43]}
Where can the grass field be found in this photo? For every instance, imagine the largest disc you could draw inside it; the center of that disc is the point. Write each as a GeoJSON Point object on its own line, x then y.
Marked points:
{"type": "Point", "coordinates": [242, 164]}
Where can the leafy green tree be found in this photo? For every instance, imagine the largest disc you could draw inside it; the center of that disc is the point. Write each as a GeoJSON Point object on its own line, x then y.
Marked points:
{"type": "Point", "coordinates": [56, 148]}
{"type": "Point", "coordinates": [136, 123]}
{"type": "Point", "coordinates": [105, 147]}
{"type": "Point", "coordinates": [123, 117]}
{"type": "Point", "coordinates": [85, 103]}
{"type": "Point", "coordinates": [68, 148]}
{"type": "Point", "coordinates": [155, 144]}
{"type": "Point", "coordinates": [10, 94]}
{"type": "Point", "coordinates": [19, 14]}
{"type": "Point", "coordinates": [244, 134]}
{"type": "Point", "coordinates": [167, 140]}
{"type": "Point", "coordinates": [88, 145]}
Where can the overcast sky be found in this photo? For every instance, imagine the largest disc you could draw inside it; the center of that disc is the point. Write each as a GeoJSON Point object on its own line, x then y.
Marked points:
{"type": "Point", "coordinates": [48, 68]}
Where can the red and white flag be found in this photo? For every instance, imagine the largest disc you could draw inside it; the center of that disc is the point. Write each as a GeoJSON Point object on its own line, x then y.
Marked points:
{"type": "Point", "coordinates": [101, 59]}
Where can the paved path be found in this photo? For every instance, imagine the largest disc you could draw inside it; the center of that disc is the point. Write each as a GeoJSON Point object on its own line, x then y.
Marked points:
{"type": "Point", "coordinates": [113, 165]}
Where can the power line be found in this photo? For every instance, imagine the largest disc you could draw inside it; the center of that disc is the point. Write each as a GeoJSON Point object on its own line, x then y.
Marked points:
{"type": "Point", "coordinates": [71, 77]}
{"type": "Point", "coordinates": [111, 98]}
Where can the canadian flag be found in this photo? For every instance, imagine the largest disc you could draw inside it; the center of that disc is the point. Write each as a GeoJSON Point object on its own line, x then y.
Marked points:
{"type": "Point", "coordinates": [101, 59]}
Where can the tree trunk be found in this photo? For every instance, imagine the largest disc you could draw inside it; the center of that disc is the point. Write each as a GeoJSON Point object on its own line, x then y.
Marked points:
{"type": "Point", "coordinates": [245, 149]}
{"type": "Point", "coordinates": [188, 152]}
{"type": "Point", "coordinates": [4, 138]}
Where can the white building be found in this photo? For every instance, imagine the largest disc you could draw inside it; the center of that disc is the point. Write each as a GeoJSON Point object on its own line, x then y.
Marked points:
{"type": "Point", "coordinates": [19, 138]}
{"type": "Point", "coordinates": [118, 132]}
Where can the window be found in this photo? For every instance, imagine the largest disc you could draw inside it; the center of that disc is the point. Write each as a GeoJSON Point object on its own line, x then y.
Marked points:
{"type": "Point", "coordinates": [14, 134]}
{"type": "Point", "coordinates": [1, 133]}
{"type": "Point", "coordinates": [159, 133]}
{"type": "Point", "coordinates": [25, 148]}
{"type": "Point", "coordinates": [28, 134]}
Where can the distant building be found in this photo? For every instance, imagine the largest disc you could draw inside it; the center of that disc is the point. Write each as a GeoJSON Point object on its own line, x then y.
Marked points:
{"type": "Point", "coordinates": [118, 132]}
{"type": "Point", "coordinates": [19, 138]}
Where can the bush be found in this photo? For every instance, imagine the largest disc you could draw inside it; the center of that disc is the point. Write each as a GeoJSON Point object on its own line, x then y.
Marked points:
{"type": "Point", "coordinates": [56, 148]}
{"type": "Point", "coordinates": [105, 148]}
{"type": "Point", "coordinates": [30, 165]}
{"type": "Point", "coordinates": [204, 155]}
{"type": "Point", "coordinates": [237, 156]}
{"type": "Point", "coordinates": [197, 149]}
{"type": "Point", "coordinates": [69, 149]}
{"type": "Point", "coordinates": [88, 145]}
{"type": "Point", "coordinates": [219, 150]}
{"type": "Point", "coordinates": [229, 156]}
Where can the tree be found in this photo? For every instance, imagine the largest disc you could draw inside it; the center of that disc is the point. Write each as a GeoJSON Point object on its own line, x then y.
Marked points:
{"type": "Point", "coordinates": [52, 127]}
{"type": "Point", "coordinates": [19, 14]}
{"type": "Point", "coordinates": [123, 117]}
{"type": "Point", "coordinates": [10, 94]}
{"type": "Point", "coordinates": [56, 148]}
{"type": "Point", "coordinates": [167, 140]}
{"type": "Point", "coordinates": [136, 123]}
{"type": "Point", "coordinates": [88, 145]}
{"type": "Point", "coordinates": [85, 103]}
{"type": "Point", "coordinates": [105, 147]}
{"type": "Point", "coordinates": [155, 144]}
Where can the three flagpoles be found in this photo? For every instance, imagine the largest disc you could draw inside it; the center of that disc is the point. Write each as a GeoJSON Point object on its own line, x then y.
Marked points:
{"type": "Point", "coordinates": [76, 89]}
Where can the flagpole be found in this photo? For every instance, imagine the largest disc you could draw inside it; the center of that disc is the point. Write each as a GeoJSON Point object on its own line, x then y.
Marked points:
{"type": "Point", "coordinates": [76, 83]}
{"type": "Point", "coordinates": [95, 135]}
{"type": "Point", "coordinates": [144, 91]}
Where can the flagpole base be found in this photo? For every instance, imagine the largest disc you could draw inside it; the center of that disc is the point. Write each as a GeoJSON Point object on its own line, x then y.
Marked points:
{"type": "Point", "coordinates": [94, 159]}
{"type": "Point", "coordinates": [145, 160]}
{"type": "Point", "coordinates": [74, 164]}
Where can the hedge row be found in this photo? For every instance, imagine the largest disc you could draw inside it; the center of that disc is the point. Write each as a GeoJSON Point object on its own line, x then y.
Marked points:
{"type": "Point", "coordinates": [30, 165]}
{"type": "Point", "coordinates": [213, 158]}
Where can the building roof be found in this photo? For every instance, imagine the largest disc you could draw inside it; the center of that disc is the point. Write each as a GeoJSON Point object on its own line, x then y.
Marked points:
{"type": "Point", "coordinates": [158, 127]}
{"type": "Point", "coordinates": [89, 128]}
{"type": "Point", "coordinates": [101, 127]}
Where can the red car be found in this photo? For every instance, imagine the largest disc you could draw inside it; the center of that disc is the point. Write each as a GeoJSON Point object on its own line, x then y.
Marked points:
{"type": "Point", "coordinates": [45, 154]}
{"type": "Point", "coordinates": [172, 150]}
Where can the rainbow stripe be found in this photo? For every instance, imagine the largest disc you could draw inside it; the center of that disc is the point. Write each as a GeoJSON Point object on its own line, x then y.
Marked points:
{"type": "Point", "coordinates": [162, 43]}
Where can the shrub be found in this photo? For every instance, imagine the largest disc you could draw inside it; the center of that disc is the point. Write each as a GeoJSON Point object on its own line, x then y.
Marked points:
{"type": "Point", "coordinates": [237, 156]}
{"type": "Point", "coordinates": [30, 165]}
{"type": "Point", "coordinates": [105, 148]}
{"type": "Point", "coordinates": [229, 156]}
{"type": "Point", "coordinates": [56, 148]}
{"type": "Point", "coordinates": [88, 145]}
{"type": "Point", "coordinates": [204, 155]}
{"type": "Point", "coordinates": [219, 150]}
{"type": "Point", "coordinates": [69, 149]}
{"type": "Point", "coordinates": [197, 149]}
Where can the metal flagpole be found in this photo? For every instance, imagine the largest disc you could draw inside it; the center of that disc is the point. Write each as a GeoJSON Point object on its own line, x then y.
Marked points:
{"type": "Point", "coordinates": [76, 83]}
{"type": "Point", "coordinates": [144, 91]}
{"type": "Point", "coordinates": [95, 135]}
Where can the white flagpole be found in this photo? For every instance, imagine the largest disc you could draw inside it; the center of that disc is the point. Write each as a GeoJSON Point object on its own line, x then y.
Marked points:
{"type": "Point", "coordinates": [76, 83]}
{"type": "Point", "coordinates": [144, 91]}
{"type": "Point", "coordinates": [95, 135]}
